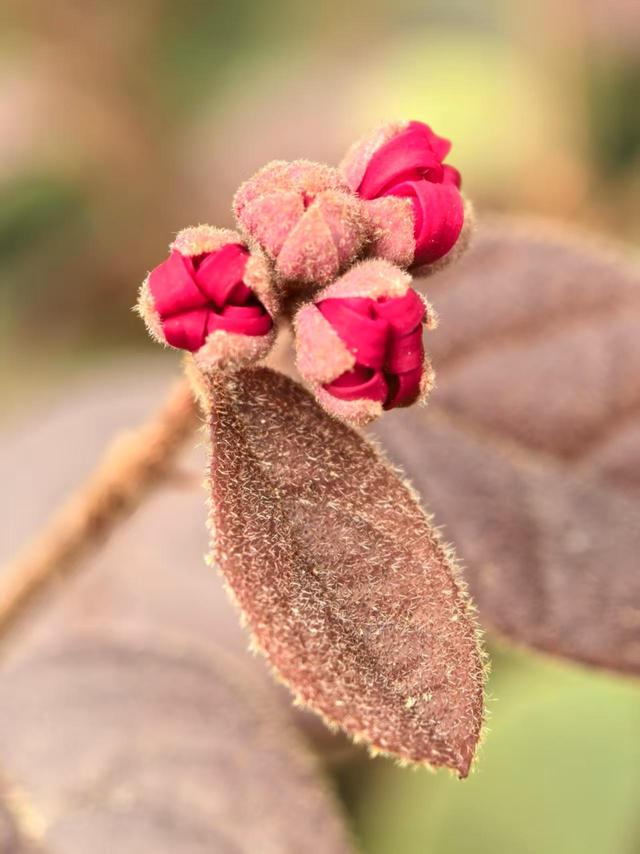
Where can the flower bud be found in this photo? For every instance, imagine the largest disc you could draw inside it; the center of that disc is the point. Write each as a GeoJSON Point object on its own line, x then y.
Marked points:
{"type": "Point", "coordinates": [211, 297]}
{"type": "Point", "coordinates": [416, 210]}
{"type": "Point", "coordinates": [304, 217]}
{"type": "Point", "coordinates": [359, 344]}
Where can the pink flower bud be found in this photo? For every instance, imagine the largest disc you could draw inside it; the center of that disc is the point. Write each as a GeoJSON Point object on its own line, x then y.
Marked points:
{"type": "Point", "coordinates": [211, 297]}
{"type": "Point", "coordinates": [359, 344]}
{"type": "Point", "coordinates": [304, 217]}
{"type": "Point", "coordinates": [415, 206]}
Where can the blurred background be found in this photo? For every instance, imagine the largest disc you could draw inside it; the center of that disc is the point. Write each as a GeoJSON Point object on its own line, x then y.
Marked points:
{"type": "Point", "coordinates": [120, 123]}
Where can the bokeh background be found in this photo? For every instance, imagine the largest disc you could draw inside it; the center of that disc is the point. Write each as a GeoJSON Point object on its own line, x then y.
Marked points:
{"type": "Point", "coordinates": [122, 122]}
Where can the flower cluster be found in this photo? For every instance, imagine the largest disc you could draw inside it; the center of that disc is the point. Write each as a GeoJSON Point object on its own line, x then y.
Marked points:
{"type": "Point", "coordinates": [344, 239]}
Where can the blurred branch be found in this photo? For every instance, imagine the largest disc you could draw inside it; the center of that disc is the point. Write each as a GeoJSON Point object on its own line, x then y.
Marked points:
{"type": "Point", "coordinates": [133, 464]}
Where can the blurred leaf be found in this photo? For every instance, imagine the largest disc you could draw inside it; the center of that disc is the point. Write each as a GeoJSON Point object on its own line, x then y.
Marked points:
{"type": "Point", "coordinates": [140, 746]}
{"type": "Point", "coordinates": [613, 88]}
{"type": "Point", "coordinates": [559, 774]}
{"type": "Point", "coordinates": [340, 575]}
{"type": "Point", "coordinates": [133, 719]}
{"type": "Point", "coordinates": [200, 44]}
{"type": "Point", "coordinates": [31, 207]}
{"type": "Point", "coordinates": [529, 452]}
{"type": "Point", "coordinates": [208, 51]}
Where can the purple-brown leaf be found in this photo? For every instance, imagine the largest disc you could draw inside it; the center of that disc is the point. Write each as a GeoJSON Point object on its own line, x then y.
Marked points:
{"type": "Point", "coordinates": [342, 578]}
{"type": "Point", "coordinates": [132, 718]}
{"type": "Point", "coordinates": [529, 452]}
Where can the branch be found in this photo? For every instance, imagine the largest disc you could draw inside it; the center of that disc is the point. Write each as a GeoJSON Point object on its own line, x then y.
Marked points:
{"type": "Point", "coordinates": [136, 462]}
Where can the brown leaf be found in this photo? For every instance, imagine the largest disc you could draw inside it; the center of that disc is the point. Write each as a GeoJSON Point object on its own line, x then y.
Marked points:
{"type": "Point", "coordinates": [529, 452]}
{"type": "Point", "coordinates": [132, 717]}
{"type": "Point", "coordinates": [138, 748]}
{"type": "Point", "coordinates": [342, 579]}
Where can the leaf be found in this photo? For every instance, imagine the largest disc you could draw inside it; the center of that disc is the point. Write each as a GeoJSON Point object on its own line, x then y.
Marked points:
{"type": "Point", "coordinates": [138, 748]}
{"type": "Point", "coordinates": [342, 579]}
{"type": "Point", "coordinates": [529, 452]}
{"type": "Point", "coordinates": [132, 717]}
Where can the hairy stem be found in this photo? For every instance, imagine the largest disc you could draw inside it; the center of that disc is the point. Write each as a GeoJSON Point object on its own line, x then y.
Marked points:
{"type": "Point", "coordinates": [135, 462]}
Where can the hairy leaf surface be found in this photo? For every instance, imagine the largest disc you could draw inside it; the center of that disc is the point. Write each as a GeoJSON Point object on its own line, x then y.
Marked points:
{"type": "Point", "coordinates": [341, 576]}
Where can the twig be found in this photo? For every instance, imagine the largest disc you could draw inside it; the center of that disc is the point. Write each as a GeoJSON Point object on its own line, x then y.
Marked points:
{"type": "Point", "coordinates": [136, 461]}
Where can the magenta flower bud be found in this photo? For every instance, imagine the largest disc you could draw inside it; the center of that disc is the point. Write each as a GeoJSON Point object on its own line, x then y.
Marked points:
{"type": "Point", "coordinates": [304, 217]}
{"type": "Point", "coordinates": [416, 210]}
{"type": "Point", "coordinates": [359, 344]}
{"type": "Point", "coordinates": [212, 297]}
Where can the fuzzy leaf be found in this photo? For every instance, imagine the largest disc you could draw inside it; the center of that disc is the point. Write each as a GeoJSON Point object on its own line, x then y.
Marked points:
{"type": "Point", "coordinates": [341, 576]}
{"type": "Point", "coordinates": [529, 452]}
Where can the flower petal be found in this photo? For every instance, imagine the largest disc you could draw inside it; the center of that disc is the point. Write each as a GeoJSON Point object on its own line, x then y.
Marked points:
{"type": "Point", "coordinates": [187, 331]}
{"type": "Point", "coordinates": [241, 319]}
{"type": "Point", "coordinates": [359, 384]}
{"type": "Point", "coordinates": [173, 287]}
{"type": "Point", "coordinates": [406, 157]}
{"type": "Point", "coordinates": [450, 175]}
{"type": "Point", "coordinates": [405, 352]}
{"type": "Point", "coordinates": [405, 388]}
{"type": "Point", "coordinates": [438, 144]}
{"type": "Point", "coordinates": [221, 271]}
{"type": "Point", "coordinates": [439, 216]}
{"type": "Point", "coordinates": [402, 314]}
{"type": "Point", "coordinates": [364, 334]}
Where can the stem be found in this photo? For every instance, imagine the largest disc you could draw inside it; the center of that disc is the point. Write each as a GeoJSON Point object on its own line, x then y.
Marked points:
{"type": "Point", "coordinates": [134, 463]}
